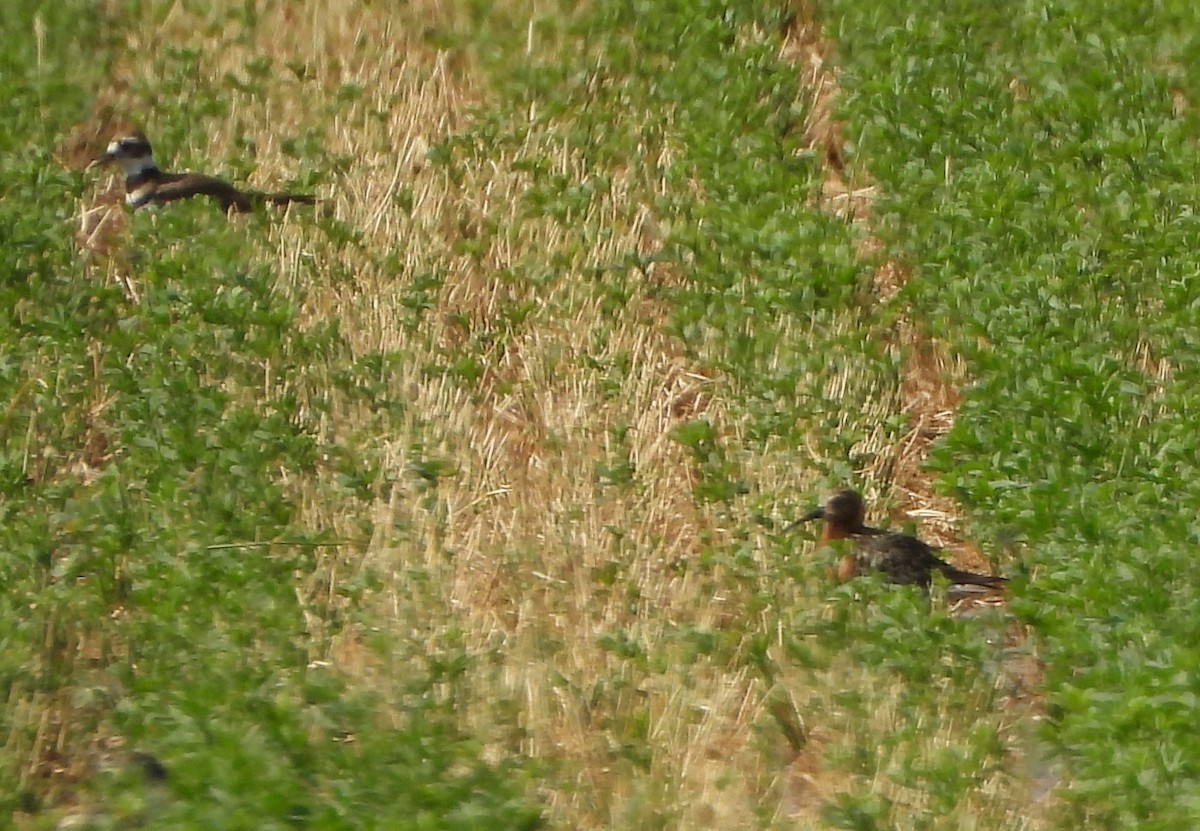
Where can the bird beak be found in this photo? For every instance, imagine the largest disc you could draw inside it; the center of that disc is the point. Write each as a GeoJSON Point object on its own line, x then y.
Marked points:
{"type": "Point", "coordinates": [104, 159]}
{"type": "Point", "coordinates": [815, 513]}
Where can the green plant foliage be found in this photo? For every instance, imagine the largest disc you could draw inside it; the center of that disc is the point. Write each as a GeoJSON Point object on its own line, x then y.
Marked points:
{"type": "Point", "coordinates": [624, 85]}
{"type": "Point", "coordinates": [146, 446]}
{"type": "Point", "coordinates": [1043, 180]}
{"type": "Point", "coordinates": [1036, 165]}
{"type": "Point", "coordinates": [1038, 173]}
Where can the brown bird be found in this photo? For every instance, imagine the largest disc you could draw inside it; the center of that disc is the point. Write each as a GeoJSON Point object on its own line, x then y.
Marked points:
{"type": "Point", "coordinates": [900, 558]}
{"type": "Point", "coordinates": [146, 184]}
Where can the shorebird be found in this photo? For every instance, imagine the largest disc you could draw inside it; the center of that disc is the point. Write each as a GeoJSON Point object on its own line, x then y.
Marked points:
{"type": "Point", "coordinates": [900, 558]}
{"type": "Point", "coordinates": [146, 184]}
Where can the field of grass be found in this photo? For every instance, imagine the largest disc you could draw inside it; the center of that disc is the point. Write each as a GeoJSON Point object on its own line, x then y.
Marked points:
{"type": "Point", "coordinates": [463, 502]}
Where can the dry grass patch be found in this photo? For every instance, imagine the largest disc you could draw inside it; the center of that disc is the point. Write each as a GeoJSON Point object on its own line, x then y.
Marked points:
{"type": "Point", "coordinates": [536, 512]}
{"type": "Point", "coordinates": [571, 592]}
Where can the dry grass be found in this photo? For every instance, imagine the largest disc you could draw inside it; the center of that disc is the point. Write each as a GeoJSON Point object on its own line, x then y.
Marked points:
{"type": "Point", "coordinates": [507, 554]}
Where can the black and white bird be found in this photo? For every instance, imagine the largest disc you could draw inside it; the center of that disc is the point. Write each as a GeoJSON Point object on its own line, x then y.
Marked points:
{"type": "Point", "coordinates": [146, 184]}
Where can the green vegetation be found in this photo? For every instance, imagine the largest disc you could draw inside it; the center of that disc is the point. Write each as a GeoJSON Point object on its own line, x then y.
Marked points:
{"type": "Point", "coordinates": [461, 504]}
{"type": "Point", "coordinates": [1040, 165]}
{"type": "Point", "coordinates": [156, 434]}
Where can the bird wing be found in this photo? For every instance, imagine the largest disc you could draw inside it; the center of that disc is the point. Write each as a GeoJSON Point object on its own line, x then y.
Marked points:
{"type": "Point", "coordinates": [903, 558]}
{"type": "Point", "coordinates": [186, 185]}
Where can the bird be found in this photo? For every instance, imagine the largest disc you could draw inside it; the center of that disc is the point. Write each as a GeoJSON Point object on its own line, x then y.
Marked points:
{"type": "Point", "coordinates": [901, 558]}
{"type": "Point", "coordinates": [146, 184]}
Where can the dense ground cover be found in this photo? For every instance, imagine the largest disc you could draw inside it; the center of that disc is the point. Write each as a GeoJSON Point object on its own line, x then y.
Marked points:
{"type": "Point", "coordinates": [344, 517]}
{"type": "Point", "coordinates": [1040, 165]}
{"type": "Point", "coordinates": [162, 607]}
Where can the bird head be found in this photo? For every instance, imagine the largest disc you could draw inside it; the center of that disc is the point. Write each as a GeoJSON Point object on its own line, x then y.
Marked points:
{"type": "Point", "coordinates": [132, 152]}
{"type": "Point", "coordinates": [845, 510]}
